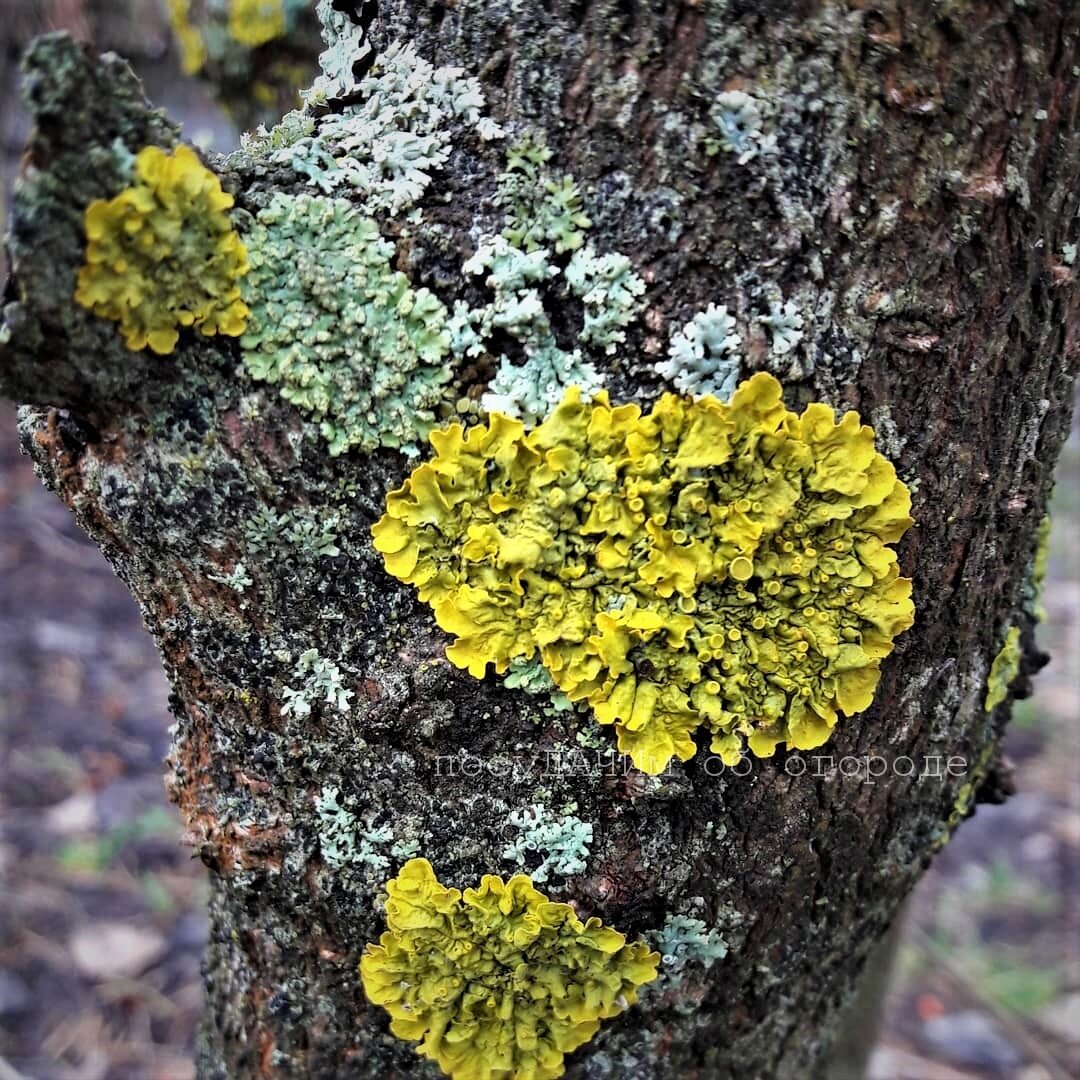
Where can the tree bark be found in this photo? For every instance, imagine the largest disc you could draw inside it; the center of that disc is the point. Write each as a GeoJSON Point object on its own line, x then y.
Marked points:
{"type": "Point", "coordinates": [919, 203]}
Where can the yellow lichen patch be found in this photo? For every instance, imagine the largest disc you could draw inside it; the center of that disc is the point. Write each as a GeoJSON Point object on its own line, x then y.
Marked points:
{"type": "Point", "coordinates": [1003, 670]}
{"type": "Point", "coordinates": [163, 254]}
{"type": "Point", "coordinates": [189, 41]}
{"type": "Point", "coordinates": [725, 565]}
{"type": "Point", "coordinates": [498, 982]}
{"type": "Point", "coordinates": [255, 22]}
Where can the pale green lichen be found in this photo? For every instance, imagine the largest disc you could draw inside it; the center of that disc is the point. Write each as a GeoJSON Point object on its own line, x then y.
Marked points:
{"type": "Point", "coordinates": [609, 290]}
{"type": "Point", "coordinates": [385, 147]}
{"type": "Point", "coordinates": [309, 531]}
{"type": "Point", "coordinates": [532, 677]}
{"type": "Point", "coordinates": [321, 681]}
{"type": "Point", "coordinates": [342, 334]}
{"type": "Point", "coordinates": [531, 390]}
{"type": "Point", "coordinates": [238, 579]}
{"type": "Point", "coordinates": [704, 358]}
{"type": "Point", "coordinates": [1003, 670]}
{"type": "Point", "coordinates": [561, 843]}
{"type": "Point", "coordinates": [543, 210]}
{"type": "Point", "coordinates": [344, 840]}
{"type": "Point", "coordinates": [739, 126]}
{"type": "Point", "coordinates": [683, 941]}
{"type": "Point", "coordinates": [525, 278]}
{"type": "Point", "coordinates": [346, 43]}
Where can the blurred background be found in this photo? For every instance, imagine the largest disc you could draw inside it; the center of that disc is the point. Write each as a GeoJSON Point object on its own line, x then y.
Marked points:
{"type": "Point", "coordinates": [101, 905]}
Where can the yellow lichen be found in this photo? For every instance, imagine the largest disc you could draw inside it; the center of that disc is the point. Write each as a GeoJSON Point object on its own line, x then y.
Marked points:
{"type": "Point", "coordinates": [255, 22]}
{"type": "Point", "coordinates": [704, 563]}
{"type": "Point", "coordinates": [163, 254]}
{"type": "Point", "coordinates": [188, 39]}
{"type": "Point", "coordinates": [1003, 670]}
{"type": "Point", "coordinates": [498, 982]}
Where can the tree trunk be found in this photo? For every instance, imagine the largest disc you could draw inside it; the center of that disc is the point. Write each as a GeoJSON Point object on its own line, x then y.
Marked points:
{"type": "Point", "coordinates": [913, 193]}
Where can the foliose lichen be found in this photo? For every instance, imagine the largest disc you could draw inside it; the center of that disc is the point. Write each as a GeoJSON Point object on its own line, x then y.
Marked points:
{"type": "Point", "coordinates": [703, 358]}
{"type": "Point", "coordinates": [560, 842]}
{"type": "Point", "coordinates": [785, 326]}
{"type": "Point", "coordinates": [385, 147]}
{"type": "Point", "coordinates": [321, 681]}
{"type": "Point", "coordinates": [1003, 670]}
{"type": "Point", "coordinates": [310, 532]}
{"type": "Point", "coordinates": [542, 210]}
{"type": "Point", "coordinates": [498, 981]}
{"type": "Point", "coordinates": [345, 841]}
{"type": "Point", "coordinates": [525, 279]}
{"type": "Point", "coordinates": [163, 255]}
{"type": "Point", "coordinates": [739, 125]}
{"type": "Point", "coordinates": [531, 390]}
{"type": "Point", "coordinates": [609, 290]}
{"type": "Point", "coordinates": [684, 940]}
{"type": "Point", "coordinates": [532, 677]}
{"type": "Point", "coordinates": [343, 335]}
{"type": "Point", "coordinates": [703, 564]}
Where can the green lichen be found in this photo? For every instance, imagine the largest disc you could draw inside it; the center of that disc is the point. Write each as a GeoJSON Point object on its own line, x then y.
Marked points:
{"type": "Point", "coordinates": [528, 282]}
{"type": "Point", "coordinates": [1003, 670]}
{"type": "Point", "coordinates": [343, 335]}
{"type": "Point", "coordinates": [532, 677]}
{"type": "Point", "coordinates": [529, 391]}
{"type": "Point", "coordinates": [561, 843]}
{"type": "Point", "coordinates": [238, 579]}
{"type": "Point", "coordinates": [543, 210]}
{"type": "Point", "coordinates": [785, 326]}
{"type": "Point", "coordinates": [344, 840]}
{"type": "Point", "coordinates": [309, 532]}
{"type": "Point", "coordinates": [609, 289]}
{"type": "Point", "coordinates": [739, 126]}
{"type": "Point", "coordinates": [385, 147]}
{"type": "Point", "coordinates": [684, 941]}
{"type": "Point", "coordinates": [321, 681]}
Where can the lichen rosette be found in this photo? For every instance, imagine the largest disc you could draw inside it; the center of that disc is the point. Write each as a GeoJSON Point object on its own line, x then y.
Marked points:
{"type": "Point", "coordinates": [725, 566]}
{"type": "Point", "coordinates": [163, 255]}
{"type": "Point", "coordinates": [498, 981]}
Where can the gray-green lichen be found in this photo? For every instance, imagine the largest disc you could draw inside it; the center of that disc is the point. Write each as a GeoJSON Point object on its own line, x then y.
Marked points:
{"type": "Point", "coordinates": [342, 334]}
{"type": "Point", "coordinates": [351, 845]}
{"type": "Point", "coordinates": [561, 843]}
{"type": "Point", "coordinates": [542, 210]}
{"type": "Point", "coordinates": [386, 148]}
{"type": "Point", "coordinates": [684, 940]}
{"type": "Point", "coordinates": [321, 681]}
{"type": "Point", "coordinates": [704, 358]}
{"type": "Point", "coordinates": [310, 533]}
{"type": "Point", "coordinates": [532, 677]}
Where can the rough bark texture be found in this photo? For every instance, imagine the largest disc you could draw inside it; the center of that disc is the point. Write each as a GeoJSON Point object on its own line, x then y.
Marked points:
{"type": "Point", "coordinates": [918, 203]}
